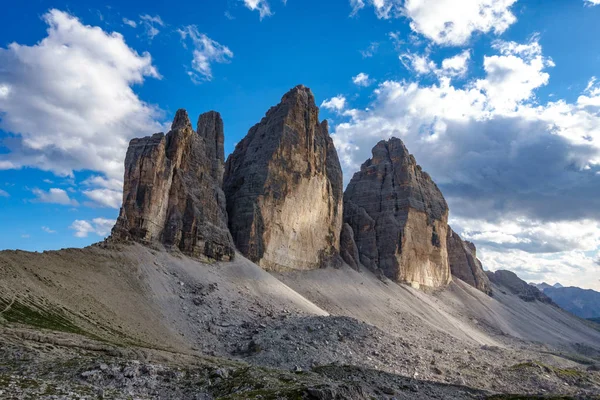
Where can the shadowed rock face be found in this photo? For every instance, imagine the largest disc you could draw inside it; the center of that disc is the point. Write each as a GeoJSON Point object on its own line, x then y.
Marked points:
{"type": "Point", "coordinates": [348, 248]}
{"type": "Point", "coordinates": [399, 217]}
{"type": "Point", "coordinates": [517, 286]}
{"type": "Point", "coordinates": [172, 189]}
{"type": "Point", "coordinates": [462, 256]}
{"type": "Point", "coordinates": [284, 188]}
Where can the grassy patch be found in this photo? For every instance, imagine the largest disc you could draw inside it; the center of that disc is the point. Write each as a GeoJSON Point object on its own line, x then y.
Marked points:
{"type": "Point", "coordinates": [22, 313]}
{"type": "Point", "coordinates": [566, 374]}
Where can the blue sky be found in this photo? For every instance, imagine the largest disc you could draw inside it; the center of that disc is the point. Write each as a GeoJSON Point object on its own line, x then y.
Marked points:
{"type": "Point", "coordinates": [496, 98]}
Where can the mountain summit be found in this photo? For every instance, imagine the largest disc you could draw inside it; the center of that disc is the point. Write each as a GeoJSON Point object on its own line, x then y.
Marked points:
{"type": "Point", "coordinates": [283, 185]}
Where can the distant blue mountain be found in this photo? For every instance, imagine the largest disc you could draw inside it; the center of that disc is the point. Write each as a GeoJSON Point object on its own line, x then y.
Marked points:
{"type": "Point", "coordinates": [584, 303]}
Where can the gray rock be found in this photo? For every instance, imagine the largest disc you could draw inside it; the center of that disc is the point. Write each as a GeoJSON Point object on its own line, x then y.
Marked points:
{"type": "Point", "coordinates": [399, 217]}
{"type": "Point", "coordinates": [348, 248]}
{"type": "Point", "coordinates": [172, 190]}
{"type": "Point", "coordinates": [283, 185]}
{"type": "Point", "coordinates": [517, 286]}
{"type": "Point", "coordinates": [462, 256]}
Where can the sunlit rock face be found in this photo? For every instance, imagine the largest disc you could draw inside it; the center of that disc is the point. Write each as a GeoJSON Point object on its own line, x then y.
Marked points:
{"type": "Point", "coordinates": [464, 264]}
{"type": "Point", "coordinates": [399, 218]}
{"type": "Point", "coordinates": [172, 190]}
{"type": "Point", "coordinates": [284, 191]}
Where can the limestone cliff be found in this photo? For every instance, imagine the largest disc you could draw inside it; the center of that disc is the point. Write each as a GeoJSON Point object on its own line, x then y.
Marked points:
{"type": "Point", "coordinates": [462, 256]}
{"type": "Point", "coordinates": [172, 189]}
{"type": "Point", "coordinates": [399, 217]}
{"type": "Point", "coordinates": [283, 185]}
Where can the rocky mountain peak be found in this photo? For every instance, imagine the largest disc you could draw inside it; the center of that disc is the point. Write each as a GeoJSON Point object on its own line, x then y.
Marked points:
{"type": "Point", "coordinates": [181, 120]}
{"type": "Point", "coordinates": [172, 190]}
{"type": "Point", "coordinates": [283, 185]}
{"type": "Point", "coordinates": [399, 217]}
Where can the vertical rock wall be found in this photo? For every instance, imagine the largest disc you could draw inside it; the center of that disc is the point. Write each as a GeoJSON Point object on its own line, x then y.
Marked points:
{"type": "Point", "coordinates": [399, 217]}
{"type": "Point", "coordinates": [172, 190]}
{"type": "Point", "coordinates": [283, 185]}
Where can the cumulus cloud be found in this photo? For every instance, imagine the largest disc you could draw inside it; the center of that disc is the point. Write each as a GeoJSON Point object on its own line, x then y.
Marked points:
{"type": "Point", "coordinates": [520, 177]}
{"type": "Point", "coordinates": [262, 6]}
{"type": "Point", "coordinates": [592, 2]}
{"type": "Point", "coordinates": [97, 226]}
{"type": "Point", "coordinates": [337, 103]}
{"type": "Point", "coordinates": [70, 105]}
{"type": "Point", "coordinates": [456, 65]}
{"type": "Point", "coordinates": [4, 193]}
{"type": "Point", "coordinates": [105, 197]}
{"type": "Point", "coordinates": [362, 79]}
{"type": "Point", "coordinates": [421, 64]}
{"type": "Point", "coordinates": [151, 25]}
{"type": "Point", "coordinates": [443, 21]}
{"type": "Point", "coordinates": [54, 196]}
{"type": "Point", "coordinates": [206, 51]}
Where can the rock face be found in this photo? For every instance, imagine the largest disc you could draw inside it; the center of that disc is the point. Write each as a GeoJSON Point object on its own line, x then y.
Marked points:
{"type": "Point", "coordinates": [172, 189]}
{"type": "Point", "coordinates": [462, 256]}
{"type": "Point", "coordinates": [399, 217]}
{"type": "Point", "coordinates": [284, 188]}
{"type": "Point", "coordinates": [515, 285]}
{"type": "Point", "coordinates": [348, 248]}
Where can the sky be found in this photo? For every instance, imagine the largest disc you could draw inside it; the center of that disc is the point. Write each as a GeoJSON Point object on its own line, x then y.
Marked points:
{"type": "Point", "coordinates": [499, 100]}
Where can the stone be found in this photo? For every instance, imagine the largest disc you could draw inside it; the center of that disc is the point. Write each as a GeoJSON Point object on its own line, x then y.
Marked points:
{"type": "Point", "coordinates": [348, 248]}
{"type": "Point", "coordinates": [517, 286]}
{"type": "Point", "coordinates": [284, 189]}
{"type": "Point", "coordinates": [399, 218]}
{"type": "Point", "coordinates": [172, 190]}
{"type": "Point", "coordinates": [464, 265]}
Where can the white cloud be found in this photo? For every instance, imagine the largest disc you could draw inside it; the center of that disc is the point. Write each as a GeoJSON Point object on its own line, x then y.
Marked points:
{"type": "Point", "coordinates": [370, 51]}
{"type": "Point", "coordinates": [457, 65]}
{"type": "Point", "coordinates": [206, 52]}
{"type": "Point", "coordinates": [48, 230]}
{"type": "Point", "coordinates": [337, 103]}
{"type": "Point", "coordinates": [521, 178]}
{"type": "Point", "coordinates": [592, 2]}
{"type": "Point", "coordinates": [130, 22]}
{"type": "Point", "coordinates": [446, 22]}
{"type": "Point", "coordinates": [105, 197]}
{"type": "Point", "coordinates": [356, 6]}
{"type": "Point", "coordinates": [71, 103]}
{"type": "Point", "coordinates": [151, 24]}
{"type": "Point", "coordinates": [4, 193]}
{"type": "Point", "coordinates": [362, 79]}
{"type": "Point", "coordinates": [96, 180]}
{"type": "Point", "coordinates": [514, 74]}
{"type": "Point", "coordinates": [98, 226]}
{"type": "Point", "coordinates": [54, 196]}
{"type": "Point", "coordinates": [420, 64]}
{"type": "Point", "coordinates": [262, 6]}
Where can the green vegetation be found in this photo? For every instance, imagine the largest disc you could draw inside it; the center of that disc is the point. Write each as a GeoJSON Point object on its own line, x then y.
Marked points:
{"type": "Point", "coordinates": [19, 312]}
{"type": "Point", "coordinates": [566, 374]}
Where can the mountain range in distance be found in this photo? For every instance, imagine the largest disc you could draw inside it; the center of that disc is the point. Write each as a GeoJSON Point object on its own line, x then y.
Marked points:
{"type": "Point", "coordinates": [584, 303]}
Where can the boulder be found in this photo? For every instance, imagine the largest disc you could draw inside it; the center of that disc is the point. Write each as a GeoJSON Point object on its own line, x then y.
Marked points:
{"type": "Point", "coordinates": [399, 218]}
{"type": "Point", "coordinates": [464, 265]}
{"type": "Point", "coordinates": [284, 189]}
{"type": "Point", "coordinates": [172, 190]}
